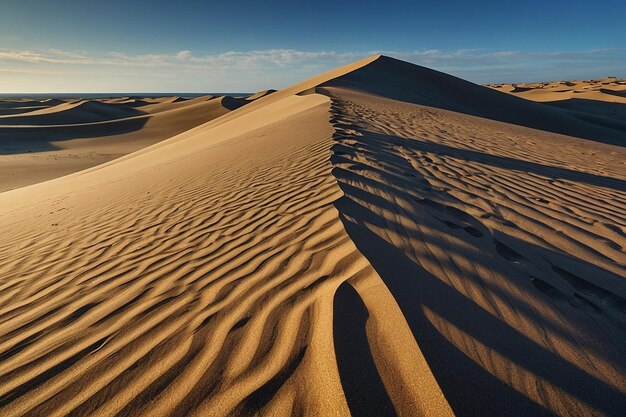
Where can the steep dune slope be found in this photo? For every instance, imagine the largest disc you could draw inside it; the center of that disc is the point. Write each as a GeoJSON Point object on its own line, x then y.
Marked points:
{"type": "Point", "coordinates": [332, 248]}
{"type": "Point", "coordinates": [388, 77]}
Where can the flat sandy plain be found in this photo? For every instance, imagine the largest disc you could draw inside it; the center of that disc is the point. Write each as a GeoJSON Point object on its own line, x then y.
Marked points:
{"type": "Point", "coordinates": [382, 239]}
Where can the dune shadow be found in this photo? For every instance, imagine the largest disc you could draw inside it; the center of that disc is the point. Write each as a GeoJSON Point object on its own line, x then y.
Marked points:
{"type": "Point", "coordinates": [83, 112]}
{"type": "Point", "coordinates": [518, 89]}
{"type": "Point", "coordinates": [427, 300]}
{"type": "Point", "coordinates": [233, 103]}
{"type": "Point", "coordinates": [362, 385]}
{"type": "Point", "coordinates": [617, 93]}
{"type": "Point", "coordinates": [9, 111]}
{"type": "Point", "coordinates": [17, 140]}
{"type": "Point", "coordinates": [605, 113]}
{"type": "Point", "coordinates": [552, 172]}
{"type": "Point", "coordinates": [388, 77]}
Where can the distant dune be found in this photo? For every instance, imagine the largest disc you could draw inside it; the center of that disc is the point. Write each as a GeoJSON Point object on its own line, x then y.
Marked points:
{"type": "Point", "coordinates": [52, 138]}
{"type": "Point", "coordinates": [605, 98]}
{"type": "Point", "coordinates": [604, 89]}
{"type": "Point", "coordinates": [382, 239]}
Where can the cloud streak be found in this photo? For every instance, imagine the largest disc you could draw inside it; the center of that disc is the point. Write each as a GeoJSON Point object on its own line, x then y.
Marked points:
{"type": "Point", "coordinates": [284, 66]}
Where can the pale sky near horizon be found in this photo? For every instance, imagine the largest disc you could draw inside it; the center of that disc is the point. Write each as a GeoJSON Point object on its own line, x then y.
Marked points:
{"type": "Point", "coordinates": [245, 46]}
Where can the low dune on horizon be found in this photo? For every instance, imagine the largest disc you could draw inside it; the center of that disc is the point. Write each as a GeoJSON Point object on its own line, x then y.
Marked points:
{"type": "Point", "coordinates": [48, 138]}
{"type": "Point", "coordinates": [382, 239]}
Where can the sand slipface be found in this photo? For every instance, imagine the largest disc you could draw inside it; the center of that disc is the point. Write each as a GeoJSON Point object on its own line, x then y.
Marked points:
{"type": "Point", "coordinates": [379, 240]}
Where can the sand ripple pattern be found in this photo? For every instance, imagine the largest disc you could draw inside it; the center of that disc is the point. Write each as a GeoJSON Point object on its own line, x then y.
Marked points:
{"type": "Point", "coordinates": [503, 246]}
{"type": "Point", "coordinates": [202, 288]}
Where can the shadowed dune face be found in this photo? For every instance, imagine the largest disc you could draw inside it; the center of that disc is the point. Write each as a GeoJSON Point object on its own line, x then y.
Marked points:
{"type": "Point", "coordinates": [332, 248]}
{"type": "Point", "coordinates": [233, 103]}
{"type": "Point", "coordinates": [16, 106]}
{"type": "Point", "coordinates": [487, 236]}
{"type": "Point", "coordinates": [82, 111]}
{"type": "Point", "coordinates": [388, 77]}
{"type": "Point", "coordinates": [30, 139]}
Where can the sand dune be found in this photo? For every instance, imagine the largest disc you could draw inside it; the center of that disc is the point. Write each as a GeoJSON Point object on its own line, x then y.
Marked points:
{"type": "Point", "coordinates": [346, 245]}
{"type": "Point", "coordinates": [604, 89]}
{"type": "Point", "coordinates": [260, 94]}
{"type": "Point", "coordinates": [75, 135]}
{"type": "Point", "coordinates": [419, 85]}
{"type": "Point", "coordinates": [73, 112]}
{"type": "Point", "coordinates": [604, 98]}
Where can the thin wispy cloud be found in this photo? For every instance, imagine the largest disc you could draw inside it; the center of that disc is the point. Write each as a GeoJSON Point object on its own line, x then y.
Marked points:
{"type": "Point", "coordinates": [279, 67]}
{"type": "Point", "coordinates": [285, 57]}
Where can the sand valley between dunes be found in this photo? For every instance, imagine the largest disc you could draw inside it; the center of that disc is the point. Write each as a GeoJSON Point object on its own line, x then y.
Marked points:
{"type": "Point", "coordinates": [382, 239]}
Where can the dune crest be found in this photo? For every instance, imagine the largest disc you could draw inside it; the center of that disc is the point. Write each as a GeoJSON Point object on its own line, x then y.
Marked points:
{"type": "Point", "coordinates": [345, 246]}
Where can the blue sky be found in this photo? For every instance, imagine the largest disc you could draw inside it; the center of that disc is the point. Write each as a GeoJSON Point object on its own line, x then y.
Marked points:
{"type": "Point", "coordinates": [209, 46]}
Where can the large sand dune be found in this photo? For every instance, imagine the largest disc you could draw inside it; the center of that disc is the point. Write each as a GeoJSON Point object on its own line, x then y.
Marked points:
{"type": "Point", "coordinates": [381, 239]}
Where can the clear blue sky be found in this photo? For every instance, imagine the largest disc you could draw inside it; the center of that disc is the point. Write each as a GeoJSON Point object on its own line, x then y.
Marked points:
{"type": "Point", "coordinates": [197, 46]}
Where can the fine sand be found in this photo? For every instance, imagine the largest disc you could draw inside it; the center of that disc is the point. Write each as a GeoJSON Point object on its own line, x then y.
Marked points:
{"type": "Point", "coordinates": [382, 239]}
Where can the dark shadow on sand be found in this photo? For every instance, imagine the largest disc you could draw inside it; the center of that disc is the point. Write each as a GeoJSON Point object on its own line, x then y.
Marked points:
{"type": "Point", "coordinates": [555, 173]}
{"type": "Point", "coordinates": [389, 77]}
{"type": "Point", "coordinates": [17, 140]}
{"type": "Point", "coordinates": [362, 385]}
{"type": "Point", "coordinates": [471, 389]}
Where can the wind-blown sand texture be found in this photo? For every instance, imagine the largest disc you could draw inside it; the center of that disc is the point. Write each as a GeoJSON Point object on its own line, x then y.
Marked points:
{"type": "Point", "coordinates": [381, 239]}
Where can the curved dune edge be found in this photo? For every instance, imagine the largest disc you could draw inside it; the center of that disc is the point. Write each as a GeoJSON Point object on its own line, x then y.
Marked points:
{"type": "Point", "coordinates": [268, 262]}
{"type": "Point", "coordinates": [192, 259]}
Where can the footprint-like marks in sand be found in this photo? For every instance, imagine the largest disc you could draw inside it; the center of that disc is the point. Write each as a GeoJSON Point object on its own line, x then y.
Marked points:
{"type": "Point", "coordinates": [452, 211]}
{"type": "Point", "coordinates": [584, 295]}
{"type": "Point", "coordinates": [461, 216]}
{"type": "Point", "coordinates": [586, 289]}
{"type": "Point", "coordinates": [548, 289]}
{"type": "Point", "coordinates": [468, 229]}
{"type": "Point", "coordinates": [507, 253]}
{"type": "Point", "coordinates": [576, 301]}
